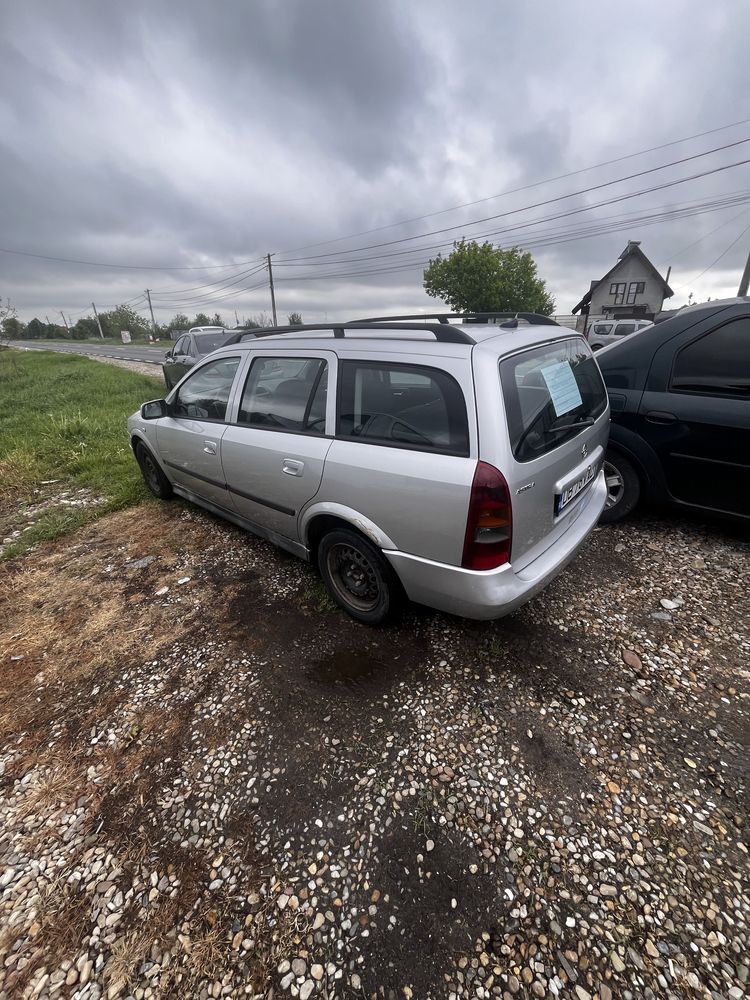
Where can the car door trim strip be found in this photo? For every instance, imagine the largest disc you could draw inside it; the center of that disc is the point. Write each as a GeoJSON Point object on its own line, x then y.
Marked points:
{"type": "Point", "coordinates": [266, 503]}
{"type": "Point", "coordinates": [231, 489]}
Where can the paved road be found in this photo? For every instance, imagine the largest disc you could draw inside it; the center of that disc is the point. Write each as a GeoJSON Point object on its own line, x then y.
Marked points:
{"type": "Point", "coordinates": [126, 352]}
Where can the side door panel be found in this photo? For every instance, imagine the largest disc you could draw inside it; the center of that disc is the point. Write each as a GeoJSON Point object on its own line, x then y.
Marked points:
{"type": "Point", "coordinates": [270, 473]}
{"type": "Point", "coordinates": [702, 438]}
{"type": "Point", "coordinates": [189, 440]}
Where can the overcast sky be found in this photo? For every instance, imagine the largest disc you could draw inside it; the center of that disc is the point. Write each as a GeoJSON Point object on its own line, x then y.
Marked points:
{"type": "Point", "coordinates": [197, 134]}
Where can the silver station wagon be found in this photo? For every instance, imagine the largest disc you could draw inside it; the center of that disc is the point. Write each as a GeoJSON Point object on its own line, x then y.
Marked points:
{"type": "Point", "coordinates": [457, 465]}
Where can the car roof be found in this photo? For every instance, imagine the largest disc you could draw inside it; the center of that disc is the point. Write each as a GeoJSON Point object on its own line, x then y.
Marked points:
{"type": "Point", "coordinates": [412, 338]}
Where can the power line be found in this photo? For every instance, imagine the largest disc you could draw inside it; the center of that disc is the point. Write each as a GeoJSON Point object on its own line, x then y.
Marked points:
{"type": "Point", "coordinates": [209, 284]}
{"type": "Point", "coordinates": [525, 187]}
{"type": "Point", "coordinates": [547, 201]}
{"type": "Point", "coordinates": [127, 267]}
{"type": "Point", "coordinates": [586, 208]}
{"type": "Point", "coordinates": [714, 262]}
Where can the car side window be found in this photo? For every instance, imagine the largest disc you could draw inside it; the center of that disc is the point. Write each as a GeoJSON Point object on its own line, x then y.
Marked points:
{"type": "Point", "coordinates": [180, 347]}
{"type": "Point", "coordinates": [717, 364]}
{"type": "Point", "coordinates": [286, 394]}
{"type": "Point", "coordinates": [402, 406]}
{"type": "Point", "coordinates": [204, 394]}
{"type": "Point", "coordinates": [623, 329]}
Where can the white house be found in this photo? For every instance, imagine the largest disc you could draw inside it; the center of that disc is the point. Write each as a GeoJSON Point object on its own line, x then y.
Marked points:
{"type": "Point", "coordinates": [632, 289]}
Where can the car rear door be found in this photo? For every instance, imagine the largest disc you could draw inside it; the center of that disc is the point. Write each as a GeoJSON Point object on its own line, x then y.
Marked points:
{"type": "Point", "coordinates": [695, 414]}
{"type": "Point", "coordinates": [273, 454]}
{"type": "Point", "coordinates": [405, 450]}
{"type": "Point", "coordinates": [189, 438]}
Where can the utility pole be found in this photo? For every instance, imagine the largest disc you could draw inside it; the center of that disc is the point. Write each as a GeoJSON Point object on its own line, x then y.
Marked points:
{"type": "Point", "coordinates": [98, 321]}
{"type": "Point", "coordinates": [270, 282]}
{"type": "Point", "coordinates": [65, 321]}
{"type": "Point", "coordinates": [236, 318]}
{"type": "Point", "coordinates": [745, 280]}
{"type": "Point", "coordinates": [151, 310]}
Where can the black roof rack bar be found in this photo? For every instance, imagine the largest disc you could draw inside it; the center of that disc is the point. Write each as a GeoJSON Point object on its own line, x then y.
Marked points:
{"type": "Point", "coordinates": [443, 332]}
{"type": "Point", "coordinates": [445, 317]}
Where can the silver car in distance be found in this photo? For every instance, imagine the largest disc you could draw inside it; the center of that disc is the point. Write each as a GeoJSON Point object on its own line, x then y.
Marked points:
{"type": "Point", "coordinates": [458, 465]}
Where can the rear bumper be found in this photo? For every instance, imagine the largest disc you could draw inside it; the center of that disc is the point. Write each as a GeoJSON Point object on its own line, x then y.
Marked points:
{"type": "Point", "coordinates": [495, 593]}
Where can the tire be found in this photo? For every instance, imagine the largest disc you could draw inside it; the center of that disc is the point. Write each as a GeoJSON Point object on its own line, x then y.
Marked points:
{"type": "Point", "coordinates": [153, 477]}
{"type": "Point", "coordinates": [623, 488]}
{"type": "Point", "coordinates": [358, 578]}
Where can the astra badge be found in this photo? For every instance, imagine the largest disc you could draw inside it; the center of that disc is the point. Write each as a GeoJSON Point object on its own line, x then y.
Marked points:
{"type": "Point", "coordinates": [584, 451]}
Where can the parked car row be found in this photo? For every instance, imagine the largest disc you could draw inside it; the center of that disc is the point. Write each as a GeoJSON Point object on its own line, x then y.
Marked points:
{"type": "Point", "coordinates": [461, 467]}
{"type": "Point", "coordinates": [604, 332]}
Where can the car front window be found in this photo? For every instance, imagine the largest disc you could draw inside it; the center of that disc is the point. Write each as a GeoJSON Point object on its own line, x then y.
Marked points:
{"type": "Point", "coordinates": [204, 395]}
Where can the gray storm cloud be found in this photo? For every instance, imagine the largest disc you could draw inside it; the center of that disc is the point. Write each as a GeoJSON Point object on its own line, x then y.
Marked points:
{"type": "Point", "coordinates": [192, 135]}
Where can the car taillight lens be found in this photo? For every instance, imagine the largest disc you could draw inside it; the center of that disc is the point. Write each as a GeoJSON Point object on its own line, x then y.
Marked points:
{"type": "Point", "coordinates": [489, 526]}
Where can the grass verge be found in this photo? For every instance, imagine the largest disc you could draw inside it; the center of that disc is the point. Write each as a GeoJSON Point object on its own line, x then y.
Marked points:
{"type": "Point", "coordinates": [62, 418]}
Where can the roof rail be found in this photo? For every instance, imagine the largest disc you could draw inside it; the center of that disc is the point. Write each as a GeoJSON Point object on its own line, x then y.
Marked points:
{"type": "Point", "coordinates": [443, 332]}
{"type": "Point", "coordinates": [445, 317]}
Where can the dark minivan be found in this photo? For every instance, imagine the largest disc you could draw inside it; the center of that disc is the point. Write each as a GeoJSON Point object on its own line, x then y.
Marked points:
{"type": "Point", "coordinates": [679, 395]}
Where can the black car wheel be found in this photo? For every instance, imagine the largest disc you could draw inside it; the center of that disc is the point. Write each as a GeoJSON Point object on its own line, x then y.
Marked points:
{"type": "Point", "coordinates": [623, 488]}
{"type": "Point", "coordinates": [358, 578]}
{"type": "Point", "coordinates": [154, 478]}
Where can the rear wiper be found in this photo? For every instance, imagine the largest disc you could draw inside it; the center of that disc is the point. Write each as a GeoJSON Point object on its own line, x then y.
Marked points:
{"type": "Point", "coordinates": [576, 425]}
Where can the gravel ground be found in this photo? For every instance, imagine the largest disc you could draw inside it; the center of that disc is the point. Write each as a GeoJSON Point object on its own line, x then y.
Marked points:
{"type": "Point", "coordinates": [214, 784]}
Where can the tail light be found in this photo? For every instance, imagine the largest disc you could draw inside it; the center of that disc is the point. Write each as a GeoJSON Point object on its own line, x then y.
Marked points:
{"type": "Point", "coordinates": [489, 526]}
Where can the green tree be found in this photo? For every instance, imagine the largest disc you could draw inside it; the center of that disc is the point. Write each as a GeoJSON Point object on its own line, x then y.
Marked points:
{"type": "Point", "coordinates": [483, 278]}
{"type": "Point", "coordinates": [216, 320]}
{"type": "Point", "coordinates": [124, 318]}
{"type": "Point", "coordinates": [178, 322]}
{"type": "Point", "coordinates": [85, 327]}
{"type": "Point", "coordinates": [36, 330]}
{"type": "Point", "coordinates": [201, 320]}
{"type": "Point", "coordinates": [295, 319]}
{"type": "Point", "coordinates": [13, 328]}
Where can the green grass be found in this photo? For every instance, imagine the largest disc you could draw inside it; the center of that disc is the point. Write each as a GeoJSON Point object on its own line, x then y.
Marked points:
{"type": "Point", "coordinates": [64, 417]}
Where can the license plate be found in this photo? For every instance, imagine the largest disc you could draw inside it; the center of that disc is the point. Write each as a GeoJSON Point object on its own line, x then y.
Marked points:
{"type": "Point", "coordinates": [571, 492]}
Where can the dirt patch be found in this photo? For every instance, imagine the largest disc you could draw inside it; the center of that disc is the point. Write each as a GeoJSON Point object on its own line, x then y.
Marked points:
{"type": "Point", "coordinates": [239, 778]}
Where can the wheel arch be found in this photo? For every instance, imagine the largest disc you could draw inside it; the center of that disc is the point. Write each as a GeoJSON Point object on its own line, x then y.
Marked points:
{"type": "Point", "coordinates": [642, 457]}
{"type": "Point", "coordinates": [325, 517]}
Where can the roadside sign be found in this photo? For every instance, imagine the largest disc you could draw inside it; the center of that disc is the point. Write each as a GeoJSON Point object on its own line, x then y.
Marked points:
{"type": "Point", "coordinates": [125, 334]}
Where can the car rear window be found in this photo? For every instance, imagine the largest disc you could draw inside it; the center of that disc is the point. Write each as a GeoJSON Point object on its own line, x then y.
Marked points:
{"type": "Point", "coordinates": [207, 342]}
{"type": "Point", "coordinates": [551, 393]}
{"type": "Point", "coordinates": [402, 406]}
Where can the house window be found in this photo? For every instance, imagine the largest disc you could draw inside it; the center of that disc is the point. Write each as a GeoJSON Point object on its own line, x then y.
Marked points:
{"type": "Point", "coordinates": [636, 288]}
{"type": "Point", "coordinates": [618, 290]}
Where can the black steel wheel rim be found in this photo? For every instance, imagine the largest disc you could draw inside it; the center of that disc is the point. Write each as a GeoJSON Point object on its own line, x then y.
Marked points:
{"type": "Point", "coordinates": [353, 577]}
{"type": "Point", "coordinates": [150, 474]}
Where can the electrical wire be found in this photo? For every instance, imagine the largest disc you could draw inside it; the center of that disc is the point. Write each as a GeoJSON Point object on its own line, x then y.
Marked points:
{"type": "Point", "coordinates": [557, 198]}
{"type": "Point", "coordinates": [525, 187]}
{"type": "Point", "coordinates": [714, 262]}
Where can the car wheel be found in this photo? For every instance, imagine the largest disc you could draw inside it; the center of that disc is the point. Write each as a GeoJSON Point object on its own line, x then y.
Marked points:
{"type": "Point", "coordinates": [358, 578]}
{"type": "Point", "coordinates": [623, 488]}
{"type": "Point", "coordinates": [154, 478]}
{"type": "Point", "coordinates": [596, 347]}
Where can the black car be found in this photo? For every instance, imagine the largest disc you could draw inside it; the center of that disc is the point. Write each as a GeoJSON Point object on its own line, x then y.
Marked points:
{"type": "Point", "coordinates": [191, 347]}
{"type": "Point", "coordinates": [679, 394]}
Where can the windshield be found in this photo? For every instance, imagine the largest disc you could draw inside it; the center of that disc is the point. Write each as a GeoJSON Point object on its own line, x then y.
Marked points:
{"type": "Point", "coordinates": [551, 393]}
{"type": "Point", "coordinates": [207, 342]}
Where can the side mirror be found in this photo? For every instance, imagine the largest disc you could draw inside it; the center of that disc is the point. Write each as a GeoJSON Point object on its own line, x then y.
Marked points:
{"type": "Point", "coordinates": [154, 409]}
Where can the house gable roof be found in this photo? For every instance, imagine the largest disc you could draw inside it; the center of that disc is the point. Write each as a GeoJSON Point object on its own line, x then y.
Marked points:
{"type": "Point", "coordinates": [633, 249]}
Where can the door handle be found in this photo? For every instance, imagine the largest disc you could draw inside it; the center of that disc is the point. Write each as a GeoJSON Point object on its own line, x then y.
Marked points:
{"type": "Point", "coordinates": [209, 447]}
{"type": "Point", "coordinates": [661, 417]}
{"type": "Point", "coordinates": [292, 467]}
